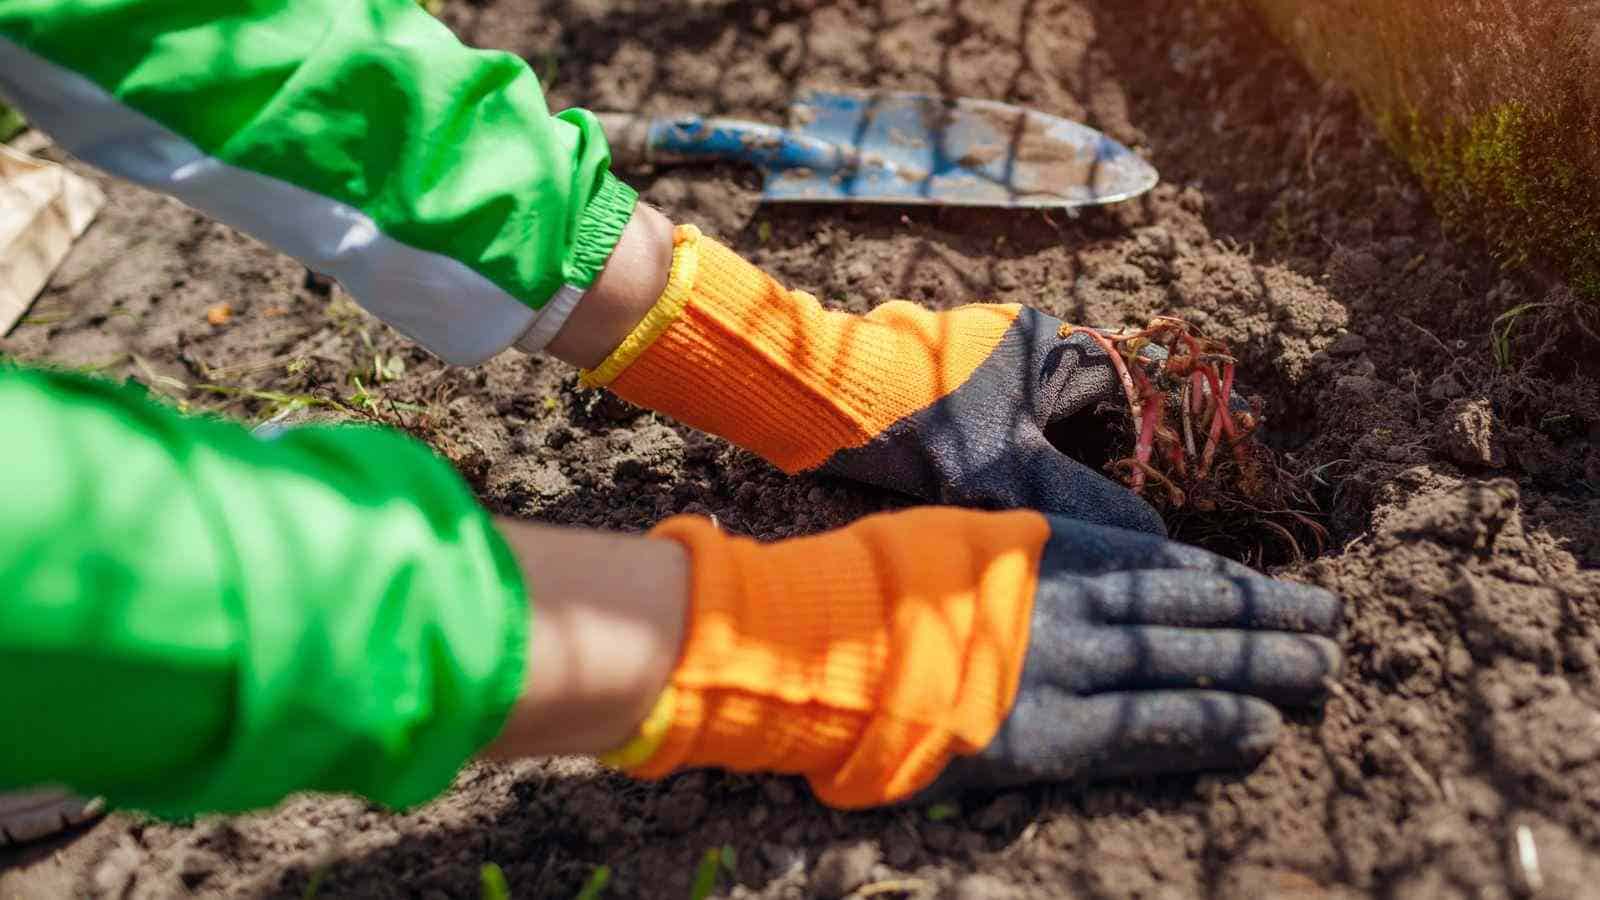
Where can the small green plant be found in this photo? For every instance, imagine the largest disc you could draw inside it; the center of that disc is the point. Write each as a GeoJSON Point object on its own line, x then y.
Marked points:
{"type": "Point", "coordinates": [384, 368]}
{"type": "Point", "coordinates": [314, 884]}
{"type": "Point", "coordinates": [1500, 331]}
{"type": "Point", "coordinates": [709, 873]}
{"type": "Point", "coordinates": [494, 883]}
{"type": "Point", "coordinates": [11, 122]}
{"type": "Point", "coordinates": [596, 885]}
{"type": "Point", "coordinates": [939, 812]}
{"type": "Point", "coordinates": [363, 399]}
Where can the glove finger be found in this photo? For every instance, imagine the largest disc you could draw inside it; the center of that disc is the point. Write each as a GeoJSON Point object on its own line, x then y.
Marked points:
{"type": "Point", "coordinates": [1076, 547]}
{"type": "Point", "coordinates": [1173, 732]}
{"type": "Point", "coordinates": [1198, 600]}
{"type": "Point", "coordinates": [1054, 735]}
{"type": "Point", "coordinates": [1078, 374]}
{"type": "Point", "coordinates": [1291, 669]}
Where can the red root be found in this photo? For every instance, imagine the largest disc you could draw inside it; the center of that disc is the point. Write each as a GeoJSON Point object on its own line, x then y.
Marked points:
{"type": "Point", "coordinates": [1116, 363]}
{"type": "Point", "coordinates": [1175, 406]}
{"type": "Point", "coordinates": [1155, 406]}
{"type": "Point", "coordinates": [1219, 422]}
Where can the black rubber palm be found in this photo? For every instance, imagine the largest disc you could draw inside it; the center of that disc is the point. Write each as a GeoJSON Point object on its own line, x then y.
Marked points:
{"type": "Point", "coordinates": [1149, 657]}
{"type": "Point", "coordinates": [985, 445]}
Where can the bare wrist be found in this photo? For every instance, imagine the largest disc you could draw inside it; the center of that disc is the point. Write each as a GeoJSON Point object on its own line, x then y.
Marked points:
{"type": "Point", "coordinates": [624, 291]}
{"type": "Point", "coordinates": [607, 615]}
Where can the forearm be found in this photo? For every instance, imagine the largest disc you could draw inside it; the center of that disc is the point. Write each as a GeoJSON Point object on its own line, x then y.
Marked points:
{"type": "Point", "coordinates": [608, 621]}
{"type": "Point", "coordinates": [359, 137]}
{"type": "Point", "coordinates": [195, 620]}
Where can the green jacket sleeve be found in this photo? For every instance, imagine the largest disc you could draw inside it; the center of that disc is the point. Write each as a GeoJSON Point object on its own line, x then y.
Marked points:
{"type": "Point", "coordinates": [193, 619]}
{"type": "Point", "coordinates": [357, 135]}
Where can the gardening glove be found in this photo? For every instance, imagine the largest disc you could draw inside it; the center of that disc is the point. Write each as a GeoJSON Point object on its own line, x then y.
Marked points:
{"type": "Point", "coordinates": [951, 407]}
{"type": "Point", "coordinates": [920, 652]}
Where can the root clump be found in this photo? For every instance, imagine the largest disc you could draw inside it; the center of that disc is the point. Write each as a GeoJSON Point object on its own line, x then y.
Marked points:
{"type": "Point", "coordinates": [1191, 447]}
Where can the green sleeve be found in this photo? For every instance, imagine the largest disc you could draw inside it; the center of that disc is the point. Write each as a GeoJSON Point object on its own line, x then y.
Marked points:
{"type": "Point", "coordinates": [357, 135]}
{"type": "Point", "coordinates": [193, 619]}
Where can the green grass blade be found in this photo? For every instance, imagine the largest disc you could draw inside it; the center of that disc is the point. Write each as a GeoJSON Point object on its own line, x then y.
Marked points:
{"type": "Point", "coordinates": [596, 885]}
{"type": "Point", "coordinates": [11, 122]}
{"type": "Point", "coordinates": [705, 875]}
{"type": "Point", "coordinates": [494, 883]}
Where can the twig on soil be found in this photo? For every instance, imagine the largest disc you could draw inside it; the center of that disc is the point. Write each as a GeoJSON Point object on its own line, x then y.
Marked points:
{"type": "Point", "coordinates": [1429, 334]}
{"type": "Point", "coordinates": [1528, 860]}
{"type": "Point", "coordinates": [896, 886]}
{"type": "Point", "coordinates": [1412, 766]}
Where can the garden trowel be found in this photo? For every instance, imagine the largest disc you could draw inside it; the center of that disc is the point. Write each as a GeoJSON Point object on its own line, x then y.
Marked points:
{"type": "Point", "coordinates": [899, 148]}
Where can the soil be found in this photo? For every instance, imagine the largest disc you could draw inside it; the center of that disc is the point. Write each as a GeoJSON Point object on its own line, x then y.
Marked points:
{"type": "Point", "coordinates": [1459, 756]}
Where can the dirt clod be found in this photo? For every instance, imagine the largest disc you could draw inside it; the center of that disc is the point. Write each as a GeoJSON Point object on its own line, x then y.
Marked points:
{"type": "Point", "coordinates": [1470, 434]}
{"type": "Point", "coordinates": [840, 870]}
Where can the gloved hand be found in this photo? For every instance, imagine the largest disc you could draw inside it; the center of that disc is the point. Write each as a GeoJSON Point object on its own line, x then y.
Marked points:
{"type": "Point", "coordinates": [914, 653]}
{"type": "Point", "coordinates": [950, 407]}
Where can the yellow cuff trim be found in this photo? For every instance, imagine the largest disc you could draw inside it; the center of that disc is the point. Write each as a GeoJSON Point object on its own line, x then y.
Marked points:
{"type": "Point", "coordinates": [680, 284]}
{"type": "Point", "coordinates": [652, 733]}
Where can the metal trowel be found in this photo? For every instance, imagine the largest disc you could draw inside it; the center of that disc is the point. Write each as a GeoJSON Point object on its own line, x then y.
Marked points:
{"type": "Point", "coordinates": [899, 148]}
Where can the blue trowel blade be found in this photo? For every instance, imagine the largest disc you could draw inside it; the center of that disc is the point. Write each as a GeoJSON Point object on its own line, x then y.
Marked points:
{"type": "Point", "coordinates": [916, 148]}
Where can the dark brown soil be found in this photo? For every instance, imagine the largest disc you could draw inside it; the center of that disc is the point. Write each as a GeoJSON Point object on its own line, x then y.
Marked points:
{"type": "Point", "coordinates": [1460, 756]}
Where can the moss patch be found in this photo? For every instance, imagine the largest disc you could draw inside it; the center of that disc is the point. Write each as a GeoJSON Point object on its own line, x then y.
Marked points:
{"type": "Point", "coordinates": [1496, 107]}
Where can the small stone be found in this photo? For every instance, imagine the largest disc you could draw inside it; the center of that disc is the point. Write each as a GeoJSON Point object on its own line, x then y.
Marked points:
{"type": "Point", "coordinates": [1349, 345]}
{"type": "Point", "coordinates": [1469, 434]}
{"type": "Point", "coordinates": [841, 870]}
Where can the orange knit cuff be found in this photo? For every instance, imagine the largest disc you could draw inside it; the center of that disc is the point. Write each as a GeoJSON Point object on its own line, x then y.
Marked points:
{"type": "Point", "coordinates": [730, 351]}
{"type": "Point", "coordinates": [864, 659]}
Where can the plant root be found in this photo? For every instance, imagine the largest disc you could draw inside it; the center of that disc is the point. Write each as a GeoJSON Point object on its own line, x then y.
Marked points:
{"type": "Point", "coordinates": [1181, 411]}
